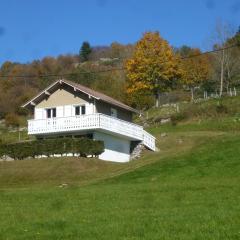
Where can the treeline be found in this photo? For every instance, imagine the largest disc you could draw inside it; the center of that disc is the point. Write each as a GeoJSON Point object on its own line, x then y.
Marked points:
{"type": "Point", "coordinates": [135, 74]}
{"type": "Point", "coordinates": [19, 82]}
{"type": "Point", "coordinates": [156, 68]}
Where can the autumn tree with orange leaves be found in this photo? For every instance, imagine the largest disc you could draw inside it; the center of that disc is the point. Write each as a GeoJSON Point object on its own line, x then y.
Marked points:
{"type": "Point", "coordinates": [153, 67]}
{"type": "Point", "coordinates": [195, 69]}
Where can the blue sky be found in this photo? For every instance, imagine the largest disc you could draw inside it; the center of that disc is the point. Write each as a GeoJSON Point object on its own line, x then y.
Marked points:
{"type": "Point", "coordinates": [33, 29]}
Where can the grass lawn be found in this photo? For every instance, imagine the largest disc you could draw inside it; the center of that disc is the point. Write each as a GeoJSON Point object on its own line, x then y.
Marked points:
{"type": "Point", "coordinates": [188, 190]}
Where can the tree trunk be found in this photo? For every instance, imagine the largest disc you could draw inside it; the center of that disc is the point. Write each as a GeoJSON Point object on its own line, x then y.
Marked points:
{"type": "Point", "coordinates": [235, 92]}
{"type": "Point", "coordinates": [192, 94]}
{"type": "Point", "coordinates": [157, 100]}
{"type": "Point", "coordinates": [222, 74]}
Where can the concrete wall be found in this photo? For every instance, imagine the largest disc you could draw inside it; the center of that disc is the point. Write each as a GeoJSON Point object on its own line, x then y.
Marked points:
{"type": "Point", "coordinates": [116, 149]}
{"type": "Point", "coordinates": [105, 108]}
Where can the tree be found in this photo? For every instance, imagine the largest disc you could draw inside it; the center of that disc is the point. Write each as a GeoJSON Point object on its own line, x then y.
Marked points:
{"type": "Point", "coordinates": [232, 62]}
{"type": "Point", "coordinates": [184, 51]}
{"type": "Point", "coordinates": [223, 31]}
{"type": "Point", "coordinates": [153, 67]}
{"type": "Point", "coordinates": [196, 69]}
{"type": "Point", "coordinates": [85, 51]}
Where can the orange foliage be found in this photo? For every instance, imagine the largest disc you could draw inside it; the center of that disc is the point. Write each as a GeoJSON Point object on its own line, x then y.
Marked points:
{"type": "Point", "coordinates": [153, 67]}
{"type": "Point", "coordinates": [196, 69]}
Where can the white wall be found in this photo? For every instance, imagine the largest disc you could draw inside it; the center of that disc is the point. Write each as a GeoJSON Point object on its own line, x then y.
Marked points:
{"type": "Point", "coordinates": [116, 149]}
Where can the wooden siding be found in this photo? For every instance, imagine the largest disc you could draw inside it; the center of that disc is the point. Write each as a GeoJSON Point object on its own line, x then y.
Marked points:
{"type": "Point", "coordinates": [63, 97]}
{"type": "Point", "coordinates": [105, 108]}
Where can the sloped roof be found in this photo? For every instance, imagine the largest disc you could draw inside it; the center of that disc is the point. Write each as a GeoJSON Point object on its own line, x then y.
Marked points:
{"type": "Point", "coordinates": [84, 89]}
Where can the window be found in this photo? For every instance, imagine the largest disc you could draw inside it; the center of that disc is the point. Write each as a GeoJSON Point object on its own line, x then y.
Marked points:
{"type": "Point", "coordinates": [51, 112]}
{"type": "Point", "coordinates": [48, 113]}
{"type": "Point", "coordinates": [83, 108]}
{"type": "Point", "coordinates": [113, 112]}
{"type": "Point", "coordinates": [80, 110]}
{"type": "Point", "coordinates": [54, 112]}
{"type": "Point", "coordinates": [77, 110]}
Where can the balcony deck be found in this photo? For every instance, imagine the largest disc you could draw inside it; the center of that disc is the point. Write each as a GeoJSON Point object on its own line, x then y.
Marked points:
{"type": "Point", "coordinates": [91, 122]}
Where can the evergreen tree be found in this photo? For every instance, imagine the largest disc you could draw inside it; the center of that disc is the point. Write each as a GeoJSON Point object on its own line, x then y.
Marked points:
{"type": "Point", "coordinates": [85, 51]}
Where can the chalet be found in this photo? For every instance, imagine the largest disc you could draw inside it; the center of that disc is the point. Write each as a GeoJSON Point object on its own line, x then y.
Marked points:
{"type": "Point", "coordinates": [68, 109]}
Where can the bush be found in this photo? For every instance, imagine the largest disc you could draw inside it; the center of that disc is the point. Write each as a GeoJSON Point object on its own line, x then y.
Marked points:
{"type": "Point", "coordinates": [175, 118]}
{"type": "Point", "coordinates": [2, 150]}
{"type": "Point", "coordinates": [12, 120]}
{"type": "Point", "coordinates": [220, 108]}
{"type": "Point", "coordinates": [83, 147]}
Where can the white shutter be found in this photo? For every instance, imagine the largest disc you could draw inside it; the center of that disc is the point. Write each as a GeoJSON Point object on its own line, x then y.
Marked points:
{"type": "Point", "coordinates": [89, 108]}
{"type": "Point", "coordinates": [60, 111]}
{"type": "Point", "coordinates": [67, 110]}
{"type": "Point", "coordinates": [39, 113]}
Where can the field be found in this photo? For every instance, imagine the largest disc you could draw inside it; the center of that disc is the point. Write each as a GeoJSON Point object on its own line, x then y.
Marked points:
{"type": "Point", "coordinates": [187, 190]}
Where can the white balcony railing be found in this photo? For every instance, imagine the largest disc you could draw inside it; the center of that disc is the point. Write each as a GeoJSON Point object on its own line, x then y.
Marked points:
{"type": "Point", "coordinates": [149, 140]}
{"type": "Point", "coordinates": [88, 122]}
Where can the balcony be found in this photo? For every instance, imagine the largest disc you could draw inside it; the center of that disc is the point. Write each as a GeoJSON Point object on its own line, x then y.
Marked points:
{"type": "Point", "coordinates": [91, 122]}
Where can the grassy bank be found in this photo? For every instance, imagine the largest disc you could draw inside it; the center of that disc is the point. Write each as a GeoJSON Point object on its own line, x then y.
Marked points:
{"type": "Point", "coordinates": [190, 191]}
{"type": "Point", "coordinates": [187, 190]}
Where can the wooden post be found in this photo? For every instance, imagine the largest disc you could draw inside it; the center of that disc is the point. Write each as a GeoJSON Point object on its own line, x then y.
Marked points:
{"type": "Point", "coordinates": [157, 99]}
{"type": "Point", "coordinates": [19, 135]}
{"type": "Point", "coordinates": [192, 93]}
{"type": "Point", "coordinates": [235, 92]}
{"type": "Point", "coordinates": [177, 108]}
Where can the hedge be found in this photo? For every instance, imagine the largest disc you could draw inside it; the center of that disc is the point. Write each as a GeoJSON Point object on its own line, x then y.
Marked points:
{"type": "Point", "coordinates": [48, 147]}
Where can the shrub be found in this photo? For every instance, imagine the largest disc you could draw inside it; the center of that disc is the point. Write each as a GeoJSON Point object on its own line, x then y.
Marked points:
{"type": "Point", "coordinates": [220, 108]}
{"type": "Point", "coordinates": [12, 120]}
{"type": "Point", "coordinates": [177, 117]}
{"type": "Point", "coordinates": [2, 150]}
{"type": "Point", "coordinates": [83, 147]}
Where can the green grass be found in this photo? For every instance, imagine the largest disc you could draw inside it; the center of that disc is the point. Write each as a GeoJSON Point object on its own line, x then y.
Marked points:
{"type": "Point", "coordinates": [10, 134]}
{"type": "Point", "coordinates": [188, 190]}
{"type": "Point", "coordinates": [211, 109]}
{"type": "Point", "coordinates": [223, 124]}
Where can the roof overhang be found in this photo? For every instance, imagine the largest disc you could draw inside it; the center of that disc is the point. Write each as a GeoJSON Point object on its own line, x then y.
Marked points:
{"type": "Point", "coordinates": [33, 101]}
{"type": "Point", "coordinates": [77, 87]}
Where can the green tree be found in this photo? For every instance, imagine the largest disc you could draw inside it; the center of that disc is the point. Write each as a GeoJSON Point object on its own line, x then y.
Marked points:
{"type": "Point", "coordinates": [85, 51]}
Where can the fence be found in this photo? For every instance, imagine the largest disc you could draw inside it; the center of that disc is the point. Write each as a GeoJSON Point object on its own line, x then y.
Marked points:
{"type": "Point", "coordinates": [199, 95]}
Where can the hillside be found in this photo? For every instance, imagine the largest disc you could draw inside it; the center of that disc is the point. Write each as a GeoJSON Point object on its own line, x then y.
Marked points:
{"type": "Point", "coordinates": [188, 190]}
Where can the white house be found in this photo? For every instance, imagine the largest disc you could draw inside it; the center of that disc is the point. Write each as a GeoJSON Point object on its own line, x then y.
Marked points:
{"type": "Point", "coordinates": [68, 109]}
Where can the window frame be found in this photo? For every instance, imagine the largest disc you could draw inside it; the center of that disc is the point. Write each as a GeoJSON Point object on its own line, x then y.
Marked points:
{"type": "Point", "coordinates": [81, 111]}
{"type": "Point", "coordinates": [51, 112]}
{"type": "Point", "coordinates": [114, 112]}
